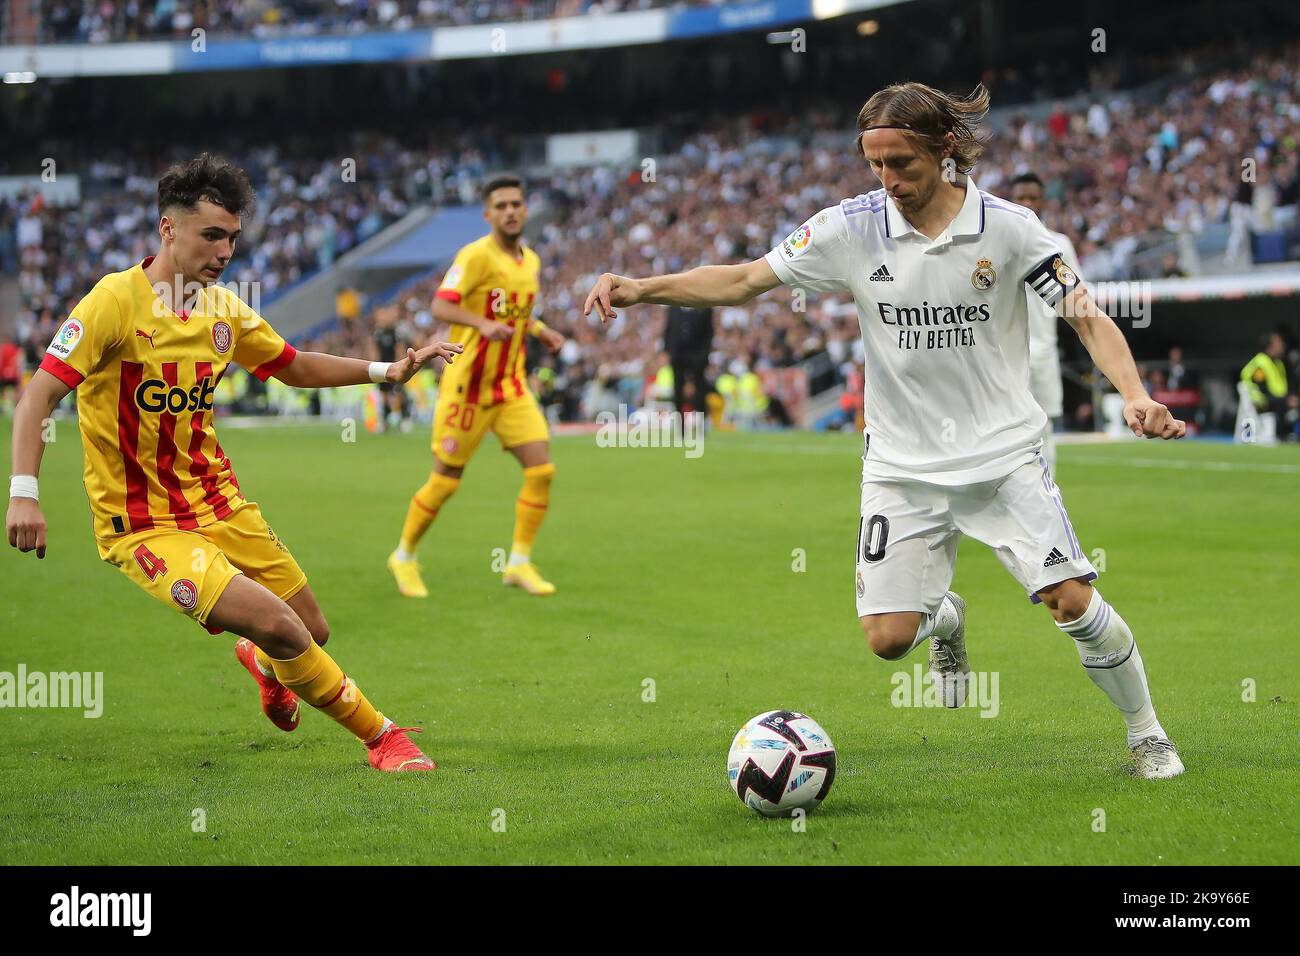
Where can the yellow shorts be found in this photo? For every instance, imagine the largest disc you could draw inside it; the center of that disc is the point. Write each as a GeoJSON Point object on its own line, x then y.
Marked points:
{"type": "Point", "coordinates": [189, 570]}
{"type": "Point", "coordinates": [458, 427]}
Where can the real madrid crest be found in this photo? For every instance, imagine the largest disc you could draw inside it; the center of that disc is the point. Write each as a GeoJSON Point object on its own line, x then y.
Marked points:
{"type": "Point", "coordinates": [1063, 273]}
{"type": "Point", "coordinates": [984, 276]}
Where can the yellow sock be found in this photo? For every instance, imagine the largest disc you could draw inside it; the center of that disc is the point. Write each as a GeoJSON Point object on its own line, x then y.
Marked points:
{"type": "Point", "coordinates": [314, 677]}
{"type": "Point", "coordinates": [264, 661]}
{"type": "Point", "coordinates": [716, 407]}
{"type": "Point", "coordinates": [433, 494]}
{"type": "Point", "coordinates": [530, 507]}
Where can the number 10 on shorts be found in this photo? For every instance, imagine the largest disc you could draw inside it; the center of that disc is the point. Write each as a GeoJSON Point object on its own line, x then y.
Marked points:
{"type": "Point", "coordinates": [873, 535]}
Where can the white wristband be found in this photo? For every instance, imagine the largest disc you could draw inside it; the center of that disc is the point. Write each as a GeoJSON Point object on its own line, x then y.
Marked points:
{"type": "Point", "coordinates": [23, 486]}
{"type": "Point", "coordinates": [379, 371]}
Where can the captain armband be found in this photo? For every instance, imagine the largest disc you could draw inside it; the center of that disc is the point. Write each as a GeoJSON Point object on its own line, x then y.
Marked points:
{"type": "Point", "coordinates": [1051, 279]}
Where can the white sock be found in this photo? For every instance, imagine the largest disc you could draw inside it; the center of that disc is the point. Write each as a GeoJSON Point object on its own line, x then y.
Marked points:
{"type": "Point", "coordinates": [1110, 656]}
{"type": "Point", "coordinates": [517, 559]}
{"type": "Point", "coordinates": [938, 624]}
{"type": "Point", "coordinates": [404, 555]}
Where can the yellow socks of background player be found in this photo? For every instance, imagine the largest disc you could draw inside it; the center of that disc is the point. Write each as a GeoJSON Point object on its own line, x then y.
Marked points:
{"type": "Point", "coordinates": [530, 509]}
{"type": "Point", "coordinates": [432, 495]}
{"type": "Point", "coordinates": [315, 678]}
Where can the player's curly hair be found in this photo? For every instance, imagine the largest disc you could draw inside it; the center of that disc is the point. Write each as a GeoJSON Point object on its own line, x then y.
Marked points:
{"type": "Point", "coordinates": [206, 177]}
{"type": "Point", "coordinates": [926, 116]}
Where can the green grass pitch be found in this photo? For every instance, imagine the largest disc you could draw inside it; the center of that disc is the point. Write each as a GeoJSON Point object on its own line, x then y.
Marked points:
{"type": "Point", "coordinates": [678, 571]}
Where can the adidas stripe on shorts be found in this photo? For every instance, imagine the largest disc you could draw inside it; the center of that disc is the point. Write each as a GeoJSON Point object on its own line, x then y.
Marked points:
{"type": "Point", "coordinates": [908, 533]}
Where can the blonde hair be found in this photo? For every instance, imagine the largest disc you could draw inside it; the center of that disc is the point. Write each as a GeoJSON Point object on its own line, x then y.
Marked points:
{"type": "Point", "coordinates": [926, 116]}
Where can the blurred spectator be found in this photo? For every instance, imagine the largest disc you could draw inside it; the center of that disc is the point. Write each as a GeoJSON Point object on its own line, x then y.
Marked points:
{"type": "Point", "coordinates": [11, 365]}
{"type": "Point", "coordinates": [1265, 377]}
{"type": "Point", "coordinates": [1169, 267]}
{"type": "Point", "coordinates": [1180, 376]}
{"type": "Point", "coordinates": [347, 305]}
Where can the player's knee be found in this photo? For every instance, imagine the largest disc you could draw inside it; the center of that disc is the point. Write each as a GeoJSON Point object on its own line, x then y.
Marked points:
{"type": "Point", "coordinates": [284, 635]}
{"type": "Point", "coordinates": [319, 629]}
{"type": "Point", "coordinates": [1068, 600]}
{"type": "Point", "coordinates": [537, 478]}
{"type": "Point", "coordinates": [889, 636]}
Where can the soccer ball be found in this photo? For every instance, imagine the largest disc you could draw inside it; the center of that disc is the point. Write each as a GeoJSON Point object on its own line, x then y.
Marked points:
{"type": "Point", "coordinates": [780, 762]}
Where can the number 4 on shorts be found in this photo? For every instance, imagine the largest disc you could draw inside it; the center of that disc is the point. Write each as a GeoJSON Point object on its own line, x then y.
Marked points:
{"type": "Point", "coordinates": [150, 563]}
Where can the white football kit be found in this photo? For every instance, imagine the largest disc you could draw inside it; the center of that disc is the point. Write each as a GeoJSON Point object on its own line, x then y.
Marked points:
{"type": "Point", "coordinates": [953, 435]}
{"type": "Point", "coordinates": [1044, 360]}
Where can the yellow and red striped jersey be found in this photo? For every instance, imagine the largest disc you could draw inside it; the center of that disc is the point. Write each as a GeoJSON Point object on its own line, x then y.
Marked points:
{"type": "Point", "coordinates": [145, 378]}
{"type": "Point", "coordinates": [488, 281]}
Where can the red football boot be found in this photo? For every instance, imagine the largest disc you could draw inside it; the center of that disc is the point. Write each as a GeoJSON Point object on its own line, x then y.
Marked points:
{"type": "Point", "coordinates": [393, 751]}
{"type": "Point", "coordinates": [279, 703]}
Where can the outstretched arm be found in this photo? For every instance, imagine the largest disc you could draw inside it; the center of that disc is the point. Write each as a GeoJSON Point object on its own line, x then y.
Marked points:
{"type": "Point", "coordinates": [25, 523]}
{"type": "Point", "coordinates": [698, 288]}
{"type": "Point", "coordinates": [1104, 341]}
{"type": "Point", "coordinates": [322, 370]}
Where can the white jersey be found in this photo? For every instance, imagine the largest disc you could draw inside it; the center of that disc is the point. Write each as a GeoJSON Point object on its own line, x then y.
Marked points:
{"type": "Point", "coordinates": [945, 328]}
{"type": "Point", "coordinates": [1044, 359]}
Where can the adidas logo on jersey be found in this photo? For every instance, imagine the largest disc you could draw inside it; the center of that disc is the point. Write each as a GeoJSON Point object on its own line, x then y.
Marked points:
{"type": "Point", "coordinates": [881, 275]}
{"type": "Point", "coordinates": [1055, 558]}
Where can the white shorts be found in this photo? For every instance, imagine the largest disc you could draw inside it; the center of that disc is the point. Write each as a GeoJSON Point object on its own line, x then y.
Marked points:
{"type": "Point", "coordinates": [908, 533]}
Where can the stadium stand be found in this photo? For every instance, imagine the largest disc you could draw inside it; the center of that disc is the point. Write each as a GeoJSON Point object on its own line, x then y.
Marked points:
{"type": "Point", "coordinates": [105, 21]}
{"type": "Point", "coordinates": [1128, 173]}
{"type": "Point", "coordinates": [1120, 177]}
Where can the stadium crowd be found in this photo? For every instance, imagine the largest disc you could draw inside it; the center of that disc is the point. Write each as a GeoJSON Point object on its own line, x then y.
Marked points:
{"type": "Point", "coordinates": [309, 212]}
{"type": "Point", "coordinates": [105, 21]}
{"type": "Point", "coordinates": [1121, 175]}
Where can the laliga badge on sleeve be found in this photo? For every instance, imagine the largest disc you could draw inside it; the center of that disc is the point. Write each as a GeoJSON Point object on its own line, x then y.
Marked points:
{"type": "Point", "coordinates": [798, 242]}
{"type": "Point", "coordinates": [66, 339]}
